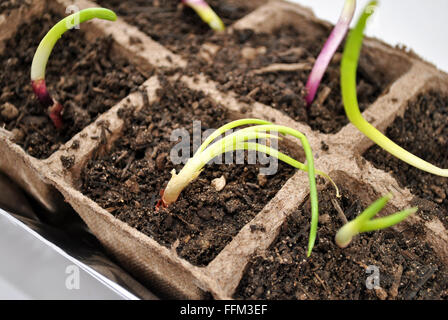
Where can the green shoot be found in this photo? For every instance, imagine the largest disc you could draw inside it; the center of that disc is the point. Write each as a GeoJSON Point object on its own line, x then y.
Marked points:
{"type": "Point", "coordinates": [43, 53]}
{"type": "Point", "coordinates": [349, 67]}
{"type": "Point", "coordinates": [239, 140]}
{"type": "Point", "coordinates": [364, 222]}
{"type": "Point", "coordinates": [206, 13]}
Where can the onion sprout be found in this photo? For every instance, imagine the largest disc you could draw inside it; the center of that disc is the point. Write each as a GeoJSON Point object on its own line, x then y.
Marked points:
{"type": "Point", "coordinates": [329, 49]}
{"type": "Point", "coordinates": [240, 140]}
{"type": "Point", "coordinates": [43, 53]}
{"type": "Point", "coordinates": [364, 222]}
{"type": "Point", "coordinates": [348, 84]}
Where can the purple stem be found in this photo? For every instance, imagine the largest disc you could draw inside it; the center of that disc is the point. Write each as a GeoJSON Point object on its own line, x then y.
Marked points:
{"type": "Point", "coordinates": [329, 49]}
{"type": "Point", "coordinates": [54, 108]}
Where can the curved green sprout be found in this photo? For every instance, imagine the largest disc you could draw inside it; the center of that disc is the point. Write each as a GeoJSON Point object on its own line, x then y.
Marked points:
{"type": "Point", "coordinates": [43, 53]}
{"type": "Point", "coordinates": [348, 84]}
{"type": "Point", "coordinates": [239, 140]}
{"type": "Point", "coordinates": [206, 13]}
{"type": "Point", "coordinates": [364, 222]}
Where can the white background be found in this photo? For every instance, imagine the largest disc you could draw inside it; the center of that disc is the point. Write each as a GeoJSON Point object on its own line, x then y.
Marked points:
{"type": "Point", "coordinates": [420, 25]}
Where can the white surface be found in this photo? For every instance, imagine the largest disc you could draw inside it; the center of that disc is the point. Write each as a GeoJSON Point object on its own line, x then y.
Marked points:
{"type": "Point", "coordinates": [34, 268]}
{"type": "Point", "coordinates": [419, 25]}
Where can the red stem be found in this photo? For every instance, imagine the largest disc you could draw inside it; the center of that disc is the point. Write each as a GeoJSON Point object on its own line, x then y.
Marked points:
{"type": "Point", "coordinates": [161, 203]}
{"type": "Point", "coordinates": [54, 108]}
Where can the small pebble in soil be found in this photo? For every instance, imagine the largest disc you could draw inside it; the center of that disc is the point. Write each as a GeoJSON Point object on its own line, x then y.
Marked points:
{"type": "Point", "coordinates": [8, 111]}
{"type": "Point", "coordinates": [17, 135]}
{"type": "Point", "coordinates": [262, 180]}
{"type": "Point", "coordinates": [219, 183]}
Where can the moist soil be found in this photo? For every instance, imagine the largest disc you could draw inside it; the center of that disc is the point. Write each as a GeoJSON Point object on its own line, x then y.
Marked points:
{"type": "Point", "coordinates": [422, 131]}
{"type": "Point", "coordinates": [8, 5]}
{"type": "Point", "coordinates": [85, 77]}
{"type": "Point", "coordinates": [234, 59]}
{"type": "Point", "coordinates": [408, 268]}
{"type": "Point", "coordinates": [230, 59]}
{"type": "Point", "coordinates": [127, 181]}
{"type": "Point", "coordinates": [173, 24]}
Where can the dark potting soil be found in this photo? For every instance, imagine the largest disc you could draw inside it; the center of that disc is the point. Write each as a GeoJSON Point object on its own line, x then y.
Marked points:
{"type": "Point", "coordinates": [232, 67]}
{"type": "Point", "coordinates": [171, 23]}
{"type": "Point", "coordinates": [85, 77]}
{"type": "Point", "coordinates": [407, 266]}
{"type": "Point", "coordinates": [422, 131]}
{"type": "Point", "coordinates": [233, 59]}
{"type": "Point", "coordinates": [127, 181]}
{"type": "Point", "coordinates": [7, 5]}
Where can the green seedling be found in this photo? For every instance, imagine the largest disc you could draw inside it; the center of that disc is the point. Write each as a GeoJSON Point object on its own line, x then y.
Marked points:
{"type": "Point", "coordinates": [240, 140]}
{"type": "Point", "coordinates": [364, 222]}
{"type": "Point", "coordinates": [43, 53]}
{"type": "Point", "coordinates": [206, 13]}
{"type": "Point", "coordinates": [349, 67]}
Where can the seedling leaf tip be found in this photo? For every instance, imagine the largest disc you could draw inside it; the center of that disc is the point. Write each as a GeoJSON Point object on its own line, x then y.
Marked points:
{"type": "Point", "coordinates": [364, 222]}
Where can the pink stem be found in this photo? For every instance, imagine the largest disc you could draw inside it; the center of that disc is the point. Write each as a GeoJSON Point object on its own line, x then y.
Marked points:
{"type": "Point", "coordinates": [161, 202]}
{"type": "Point", "coordinates": [329, 49]}
{"type": "Point", "coordinates": [56, 115]}
{"type": "Point", "coordinates": [54, 108]}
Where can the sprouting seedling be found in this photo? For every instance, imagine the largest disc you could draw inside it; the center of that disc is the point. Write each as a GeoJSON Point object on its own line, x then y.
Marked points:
{"type": "Point", "coordinates": [206, 13]}
{"type": "Point", "coordinates": [349, 66]}
{"type": "Point", "coordinates": [329, 49]}
{"type": "Point", "coordinates": [44, 50]}
{"type": "Point", "coordinates": [240, 140]}
{"type": "Point", "coordinates": [364, 222]}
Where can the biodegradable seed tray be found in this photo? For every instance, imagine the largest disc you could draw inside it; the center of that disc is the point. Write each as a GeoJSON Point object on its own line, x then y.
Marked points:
{"type": "Point", "coordinates": [57, 179]}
